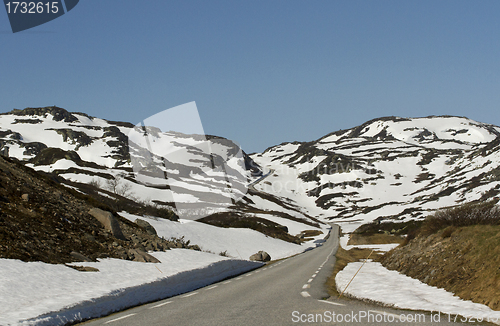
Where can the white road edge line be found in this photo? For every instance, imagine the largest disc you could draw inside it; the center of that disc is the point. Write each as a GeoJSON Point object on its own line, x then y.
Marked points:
{"type": "Point", "coordinates": [226, 282]}
{"type": "Point", "coordinates": [333, 303]}
{"type": "Point", "coordinates": [161, 304]}
{"type": "Point", "coordinates": [213, 287]}
{"type": "Point", "coordinates": [116, 319]}
{"type": "Point", "coordinates": [305, 294]}
{"type": "Point", "coordinates": [190, 294]}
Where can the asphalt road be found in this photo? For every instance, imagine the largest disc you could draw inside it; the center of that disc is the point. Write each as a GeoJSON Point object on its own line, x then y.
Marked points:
{"type": "Point", "coordinates": [287, 292]}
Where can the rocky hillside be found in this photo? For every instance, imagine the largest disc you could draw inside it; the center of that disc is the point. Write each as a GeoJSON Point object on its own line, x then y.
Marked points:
{"type": "Point", "coordinates": [144, 170]}
{"type": "Point", "coordinates": [388, 169]}
{"type": "Point", "coordinates": [42, 220]}
{"type": "Point", "coordinates": [458, 250]}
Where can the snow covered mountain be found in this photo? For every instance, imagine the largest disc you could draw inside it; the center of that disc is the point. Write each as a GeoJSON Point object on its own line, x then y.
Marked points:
{"type": "Point", "coordinates": [195, 175]}
{"type": "Point", "coordinates": [388, 168]}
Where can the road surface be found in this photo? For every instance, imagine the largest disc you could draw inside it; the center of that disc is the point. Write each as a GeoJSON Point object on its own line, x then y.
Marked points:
{"type": "Point", "coordinates": [287, 292]}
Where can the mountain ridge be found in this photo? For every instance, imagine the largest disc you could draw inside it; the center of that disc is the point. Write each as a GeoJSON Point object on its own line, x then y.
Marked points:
{"type": "Point", "coordinates": [388, 168]}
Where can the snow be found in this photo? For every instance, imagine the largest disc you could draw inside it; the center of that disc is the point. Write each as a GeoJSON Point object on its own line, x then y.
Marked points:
{"type": "Point", "coordinates": [37, 293]}
{"type": "Point", "coordinates": [377, 247]}
{"type": "Point", "coordinates": [389, 158]}
{"type": "Point", "coordinates": [237, 242]}
{"type": "Point", "coordinates": [443, 127]}
{"type": "Point", "coordinates": [376, 283]}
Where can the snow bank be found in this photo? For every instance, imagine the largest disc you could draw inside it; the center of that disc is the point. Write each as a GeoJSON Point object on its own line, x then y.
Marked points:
{"type": "Point", "coordinates": [37, 293]}
{"type": "Point", "coordinates": [237, 242]}
{"type": "Point", "coordinates": [376, 283]}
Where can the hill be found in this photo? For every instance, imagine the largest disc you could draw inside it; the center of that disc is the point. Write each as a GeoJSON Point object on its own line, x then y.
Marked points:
{"type": "Point", "coordinates": [41, 220]}
{"type": "Point", "coordinates": [388, 168]}
{"type": "Point", "coordinates": [456, 249]}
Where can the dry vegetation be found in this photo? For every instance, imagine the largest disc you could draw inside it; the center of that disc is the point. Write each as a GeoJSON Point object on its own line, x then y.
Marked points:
{"type": "Point", "coordinates": [456, 249]}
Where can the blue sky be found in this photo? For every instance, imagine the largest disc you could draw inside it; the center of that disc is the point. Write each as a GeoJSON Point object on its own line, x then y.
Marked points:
{"type": "Point", "coordinates": [261, 72]}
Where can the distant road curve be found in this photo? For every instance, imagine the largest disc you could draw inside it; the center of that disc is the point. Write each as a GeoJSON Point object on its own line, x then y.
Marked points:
{"type": "Point", "coordinates": [251, 185]}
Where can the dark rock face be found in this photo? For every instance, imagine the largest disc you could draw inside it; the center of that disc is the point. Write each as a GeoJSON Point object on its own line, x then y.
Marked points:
{"type": "Point", "coordinates": [59, 114]}
{"type": "Point", "coordinates": [146, 226]}
{"type": "Point", "coordinates": [74, 137]}
{"type": "Point", "coordinates": [109, 222]}
{"type": "Point", "coordinates": [33, 148]}
{"type": "Point", "coordinates": [79, 257]}
{"type": "Point", "coordinates": [51, 155]}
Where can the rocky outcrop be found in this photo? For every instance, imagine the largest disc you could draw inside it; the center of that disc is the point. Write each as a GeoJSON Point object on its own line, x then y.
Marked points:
{"type": "Point", "coordinates": [41, 220]}
{"type": "Point", "coordinates": [58, 114]}
{"type": "Point", "coordinates": [109, 222]}
{"type": "Point", "coordinates": [79, 257]}
{"type": "Point", "coordinates": [74, 137]}
{"type": "Point", "coordinates": [141, 256]}
{"type": "Point", "coordinates": [50, 155]}
{"type": "Point", "coordinates": [146, 226]}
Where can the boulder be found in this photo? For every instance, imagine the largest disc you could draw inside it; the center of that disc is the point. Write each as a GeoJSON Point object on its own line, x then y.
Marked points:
{"type": "Point", "coordinates": [260, 256]}
{"type": "Point", "coordinates": [141, 256]}
{"type": "Point", "coordinates": [84, 268]}
{"type": "Point", "coordinates": [109, 222]}
{"type": "Point", "coordinates": [282, 227]}
{"type": "Point", "coordinates": [146, 226]}
{"type": "Point", "coordinates": [79, 257]}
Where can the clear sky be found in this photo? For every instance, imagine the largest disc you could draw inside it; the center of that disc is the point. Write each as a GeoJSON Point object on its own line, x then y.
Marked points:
{"type": "Point", "coordinates": [261, 72]}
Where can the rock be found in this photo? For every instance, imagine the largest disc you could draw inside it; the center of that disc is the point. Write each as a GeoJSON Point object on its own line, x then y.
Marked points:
{"type": "Point", "coordinates": [109, 222]}
{"type": "Point", "coordinates": [260, 256]}
{"type": "Point", "coordinates": [146, 226]}
{"type": "Point", "coordinates": [282, 227]}
{"type": "Point", "coordinates": [157, 246]}
{"type": "Point", "coordinates": [84, 268]}
{"type": "Point", "coordinates": [25, 197]}
{"type": "Point", "coordinates": [122, 254]}
{"type": "Point", "coordinates": [195, 247]}
{"type": "Point", "coordinates": [89, 237]}
{"type": "Point", "coordinates": [79, 257]}
{"type": "Point", "coordinates": [141, 256]}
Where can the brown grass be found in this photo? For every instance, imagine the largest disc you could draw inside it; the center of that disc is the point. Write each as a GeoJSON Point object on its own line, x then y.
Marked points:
{"type": "Point", "coordinates": [463, 260]}
{"type": "Point", "coordinates": [311, 233]}
{"type": "Point", "coordinates": [484, 213]}
{"type": "Point", "coordinates": [380, 238]}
